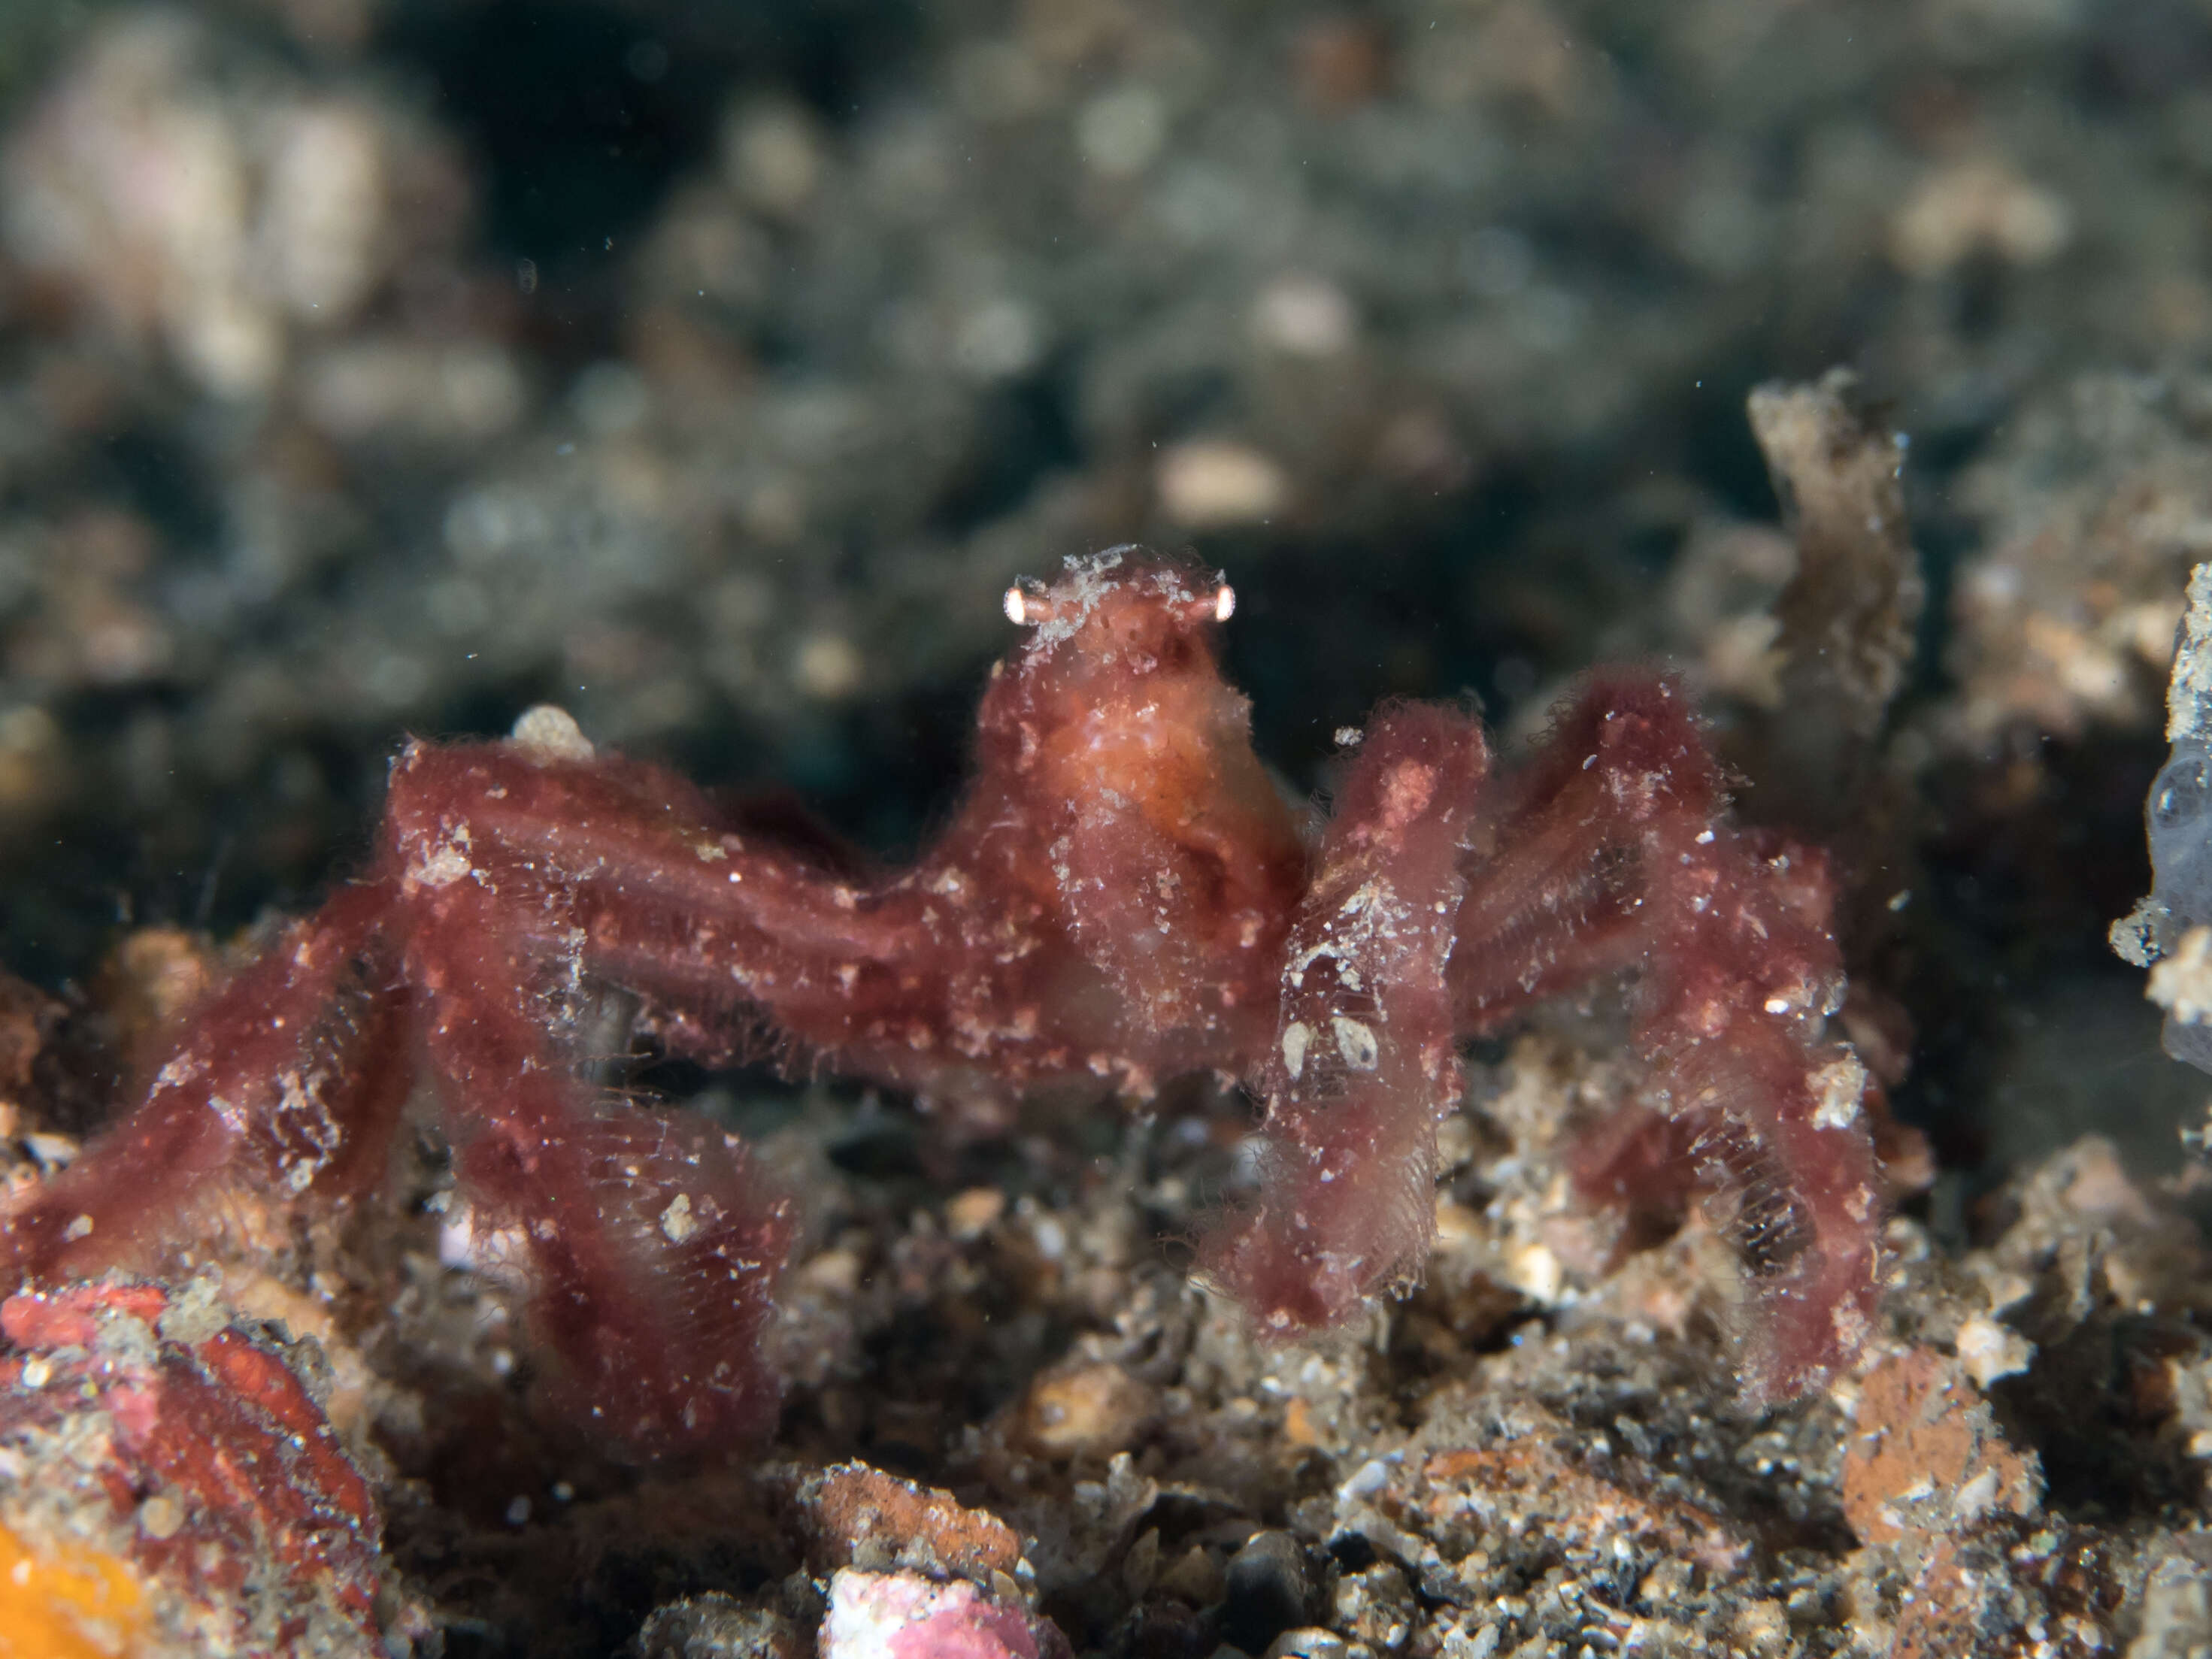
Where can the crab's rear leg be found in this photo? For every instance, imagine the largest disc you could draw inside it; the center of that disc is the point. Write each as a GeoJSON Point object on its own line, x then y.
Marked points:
{"type": "Point", "coordinates": [1611, 851]}
{"type": "Point", "coordinates": [289, 1079]}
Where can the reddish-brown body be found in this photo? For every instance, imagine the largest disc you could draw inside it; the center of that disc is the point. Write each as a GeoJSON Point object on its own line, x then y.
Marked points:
{"type": "Point", "coordinates": [1124, 895]}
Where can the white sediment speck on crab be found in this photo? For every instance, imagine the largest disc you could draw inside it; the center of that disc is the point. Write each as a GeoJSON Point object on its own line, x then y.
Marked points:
{"type": "Point", "coordinates": [1837, 1088]}
{"type": "Point", "coordinates": [677, 1221]}
{"type": "Point", "coordinates": [444, 864]}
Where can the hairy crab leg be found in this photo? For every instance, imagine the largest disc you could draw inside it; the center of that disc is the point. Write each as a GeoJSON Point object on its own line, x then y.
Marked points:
{"type": "Point", "coordinates": [624, 868]}
{"type": "Point", "coordinates": [290, 1076]}
{"type": "Point", "coordinates": [1612, 850]}
{"type": "Point", "coordinates": [653, 1245]}
{"type": "Point", "coordinates": [1365, 1062]}
{"type": "Point", "coordinates": [581, 817]}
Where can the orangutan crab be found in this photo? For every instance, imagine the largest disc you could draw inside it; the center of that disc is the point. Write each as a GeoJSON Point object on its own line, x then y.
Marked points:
{"type": "Point", "coordinates": [1124, 895]}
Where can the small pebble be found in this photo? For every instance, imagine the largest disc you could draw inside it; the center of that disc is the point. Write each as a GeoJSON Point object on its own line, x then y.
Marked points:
{"type": "Point", "coordinates": [160, 1516]}
{"type": "Point", "coordinates": [1212, 482]}
{"type": "Point", "coordinates": [1265, 1592]}
{"type": "Point", "coordinates": [1092, 1411]}
{"type": "Point", "coordinates": [969, 1215]}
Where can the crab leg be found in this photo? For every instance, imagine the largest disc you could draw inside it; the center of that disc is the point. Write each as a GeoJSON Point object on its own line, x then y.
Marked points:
{"type": "Point", "coordinates": [1363, 1063]}
{"type": "Point", "coordinates": [291, 1077]}
{"type": "Point", "coordinates": [652, 1245]}
{"type": "Point", "coordinates": [1611, 851]}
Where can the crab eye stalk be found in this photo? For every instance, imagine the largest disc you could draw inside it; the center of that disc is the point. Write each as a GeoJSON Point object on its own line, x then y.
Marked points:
{"type": "Point", "coordinates": [1220, 605]}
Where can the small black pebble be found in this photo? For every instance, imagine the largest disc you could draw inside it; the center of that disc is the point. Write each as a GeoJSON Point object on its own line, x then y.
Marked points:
{"type": "Point", "coordinates": [1267, 1591]}
{"type": "Point", "coordinates": [1351, 1551]}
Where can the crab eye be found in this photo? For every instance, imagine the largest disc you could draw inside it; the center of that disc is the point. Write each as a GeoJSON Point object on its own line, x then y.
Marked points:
{"type": "Point", "coordinates": [1027, 605]}
{"type": "Point", "coordinates": [1216, 605]}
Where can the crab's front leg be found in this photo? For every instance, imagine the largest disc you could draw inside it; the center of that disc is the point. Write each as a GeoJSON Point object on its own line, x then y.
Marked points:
{"type": "Point", "coordinates": [1364, 1065]}
{"type": "Point", "coordinates": [288, 1079]}
{"type": "Point", "coordinates": [1612, 851]}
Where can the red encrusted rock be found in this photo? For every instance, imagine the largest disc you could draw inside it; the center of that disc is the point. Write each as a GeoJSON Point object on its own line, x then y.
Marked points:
{"type": "Point", "coordinates": [220, 1473]}
{"type": "Point", "coordinates": [857, 1516]}
{"type": "Point", "coordinates": [1929, 1457]}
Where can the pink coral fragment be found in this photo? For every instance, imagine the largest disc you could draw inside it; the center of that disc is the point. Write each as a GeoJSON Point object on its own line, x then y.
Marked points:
{"type": "Point", "coordinates": [902, 1615]}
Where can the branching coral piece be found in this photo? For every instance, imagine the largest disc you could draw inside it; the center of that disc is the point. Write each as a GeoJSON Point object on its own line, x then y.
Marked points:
{"type": "Point", "coordinates": [1848, 616]}
{"type": "Point", "coordinates": [1124, 896]}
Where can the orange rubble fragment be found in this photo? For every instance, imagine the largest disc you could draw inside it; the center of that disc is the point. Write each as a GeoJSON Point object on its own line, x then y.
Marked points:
{"type": "Point", "coordinates": [80, 1604]}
